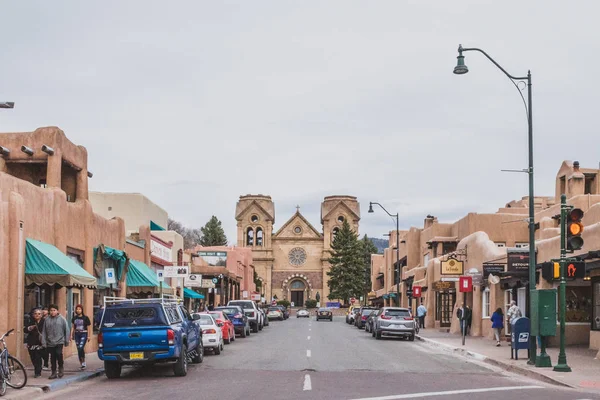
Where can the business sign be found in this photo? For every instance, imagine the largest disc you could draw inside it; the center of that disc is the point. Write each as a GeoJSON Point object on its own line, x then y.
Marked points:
{"type": "Point", "coordinates": [110, 275]}
{"type": "Point", "coordinates": [245, 294]}
{"type": "Point", "coordinates": [255, 297]}
{"type": "Point", "coordinates": [207, 283]}
{"type": "Point", "coordinates": [160, 275]}
{"type": "Point", "coordinates": [161, 251]}
{"type": "Point", "coordinates": [517, 260]}
{"type": "Point", "coordinates": [440, 286]}
{"type": "Point", "coordinates": [416, 291]}
{"type": "Point", "coordinates": [465, 284]}
{"type": "Point", "coordinates": [193, 280]}
{"type": "Point", "coordinates": [176, 271]}
{"type": "Point", "coordinates": [449, 279]}
{"type": "Point", "coordinates": [492, 268]}
{"type": "Point", "coordinates": [214, 258]}
{"type": "Point", "coordinates": [452, 267]}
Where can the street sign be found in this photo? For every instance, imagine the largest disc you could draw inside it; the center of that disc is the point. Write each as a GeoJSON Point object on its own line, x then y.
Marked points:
{"type": "Point", "coordinates": [466, 284]}
{"type": "Point", "coordinates": [110, 275]}
{"type": "Point", "coordinates": [176, 271]}
{"type": "Point", "coordinates": [215, 280]}
{"type": "Point", "coordinates": [193, 280]}
{"type": "Point", "coordinates": [245, 294]}
{"type": "Point", "coordinates": [416, 291]}
{"type": "Point", "coordinates": [352, 300]}
{"type": "Point", "coordinates": [449, 279]}
{"type": "Point", "coordinates": [160, 275]}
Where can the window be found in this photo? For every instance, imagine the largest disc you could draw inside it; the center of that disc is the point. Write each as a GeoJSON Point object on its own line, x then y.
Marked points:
{"type": "Point", "coordinates": [250, 237]}
{"type": "Point", "coordinates": [297, 230]}
{"type": "Point", "coordinates": [486, 303]}
{"type": "Point", "coordinates": [448, 247]}
{"type": "Point", "coordinates": [341, 219]}
{"type": "Point", "coordinates": [500, 244]}
{"type": "Point", "coordinates": [425, 259]}
{"type": "Point", "coordinates": [254, 218]}
{"type": "Point", "coordinates": [589, 184]}
{"type": "Point", "coordinates": [259, 236]}
{"type": "Point", "coordinates": [521, 245]}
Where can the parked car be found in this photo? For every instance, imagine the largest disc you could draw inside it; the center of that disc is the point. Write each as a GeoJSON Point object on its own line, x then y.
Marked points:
{"type": "Point", "coordinates": [324, 313]}
{"type": "Point", "coordinates": [370, 320]}
{"type": "Point", "coordinates": [350, 314]}
{"type": "Point", "coordinates": [148, 331]}
{"type": "Point", "coordinates": [355, 313]}
{"type": "Point", "coordinates": [241, 325]}
{"type": "Point", "coordinates": [285, 311]}
{"type": "Point", "coordinates": [265, 319]}
{"type": "Point", "coordinates": [255, 316]}
{"type": "Point", "coordinates": [227, 326]}
{"type": "Point", "coordinates": [302, 313]}
{"type": "Point", "coordinates": [212, 336]}
{"type": "Point", "coordinates": [362, 316]}
{"type": "Point", "coordinates": [275, 313]}
{"type": "Point", "coordinates": [394, 321]}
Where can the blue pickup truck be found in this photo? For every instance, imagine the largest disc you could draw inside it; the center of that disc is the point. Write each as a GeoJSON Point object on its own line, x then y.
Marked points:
{"type": "Point", "coordinates": [148, 331]}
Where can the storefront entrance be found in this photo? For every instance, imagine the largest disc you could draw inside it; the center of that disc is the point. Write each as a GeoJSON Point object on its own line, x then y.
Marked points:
{"type": "Point", "coordinates": [444, 305]}
{"type": "Point", "coordinates": [297, 298]}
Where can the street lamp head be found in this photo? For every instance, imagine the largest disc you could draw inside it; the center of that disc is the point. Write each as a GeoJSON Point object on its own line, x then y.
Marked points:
{"type": "Point", "coordinates": [370, 207]}
{"type": "Point", "coordinates": [460, 68]}
{"type": "Point", "coordinates": [7, 104]}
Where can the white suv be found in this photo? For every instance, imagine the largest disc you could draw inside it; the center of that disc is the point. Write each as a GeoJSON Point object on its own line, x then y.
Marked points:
{"type": "Point", "coordinates": [255, 316]}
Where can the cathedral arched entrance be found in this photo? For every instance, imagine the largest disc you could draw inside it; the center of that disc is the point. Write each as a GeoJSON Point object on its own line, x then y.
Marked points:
{"type": "Point", "coordinates": [298, 292]}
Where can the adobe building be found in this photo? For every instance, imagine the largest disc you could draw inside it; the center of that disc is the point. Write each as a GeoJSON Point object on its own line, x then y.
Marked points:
{"type": "Point", "coordinates": [293, 260]}
{"type": "Point", "coordinates": [227, 273]}
{"type": "Point", "coordinates": [497, 244]}
{"type": "Point", "coordinates": [48, 230]}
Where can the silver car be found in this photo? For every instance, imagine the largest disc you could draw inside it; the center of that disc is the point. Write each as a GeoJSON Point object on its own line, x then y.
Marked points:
{"type": "Point", "coordinates": [394, 321]}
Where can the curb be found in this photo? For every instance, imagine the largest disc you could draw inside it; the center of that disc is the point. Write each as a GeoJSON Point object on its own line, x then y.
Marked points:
{"type": "Point", "coordinates": [59, 384]}
{"type": "Point", "coordinates": [506, 366]}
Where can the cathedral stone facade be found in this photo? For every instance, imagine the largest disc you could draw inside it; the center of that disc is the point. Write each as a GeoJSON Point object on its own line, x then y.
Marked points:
{"type": "Point", "coordinates": [292, 261]}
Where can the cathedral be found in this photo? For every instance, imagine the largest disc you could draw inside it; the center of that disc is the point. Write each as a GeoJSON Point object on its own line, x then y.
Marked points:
{"type": "Point", "coordinates": [292, 261]}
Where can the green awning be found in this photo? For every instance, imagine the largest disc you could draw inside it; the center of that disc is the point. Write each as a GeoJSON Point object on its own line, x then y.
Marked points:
{"type": "Point", "coordinates": [141, 278]}
{"type": "Point", "coordinates": [191, 294]}
{"type": "Point", "coordinates": [155, 227]}
{"type": "Point", "coordinates": [45, 264]}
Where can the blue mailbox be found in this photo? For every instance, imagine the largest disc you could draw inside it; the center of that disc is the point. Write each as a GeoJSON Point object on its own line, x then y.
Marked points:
{"type": "Point", "coordinates": [521, 329]}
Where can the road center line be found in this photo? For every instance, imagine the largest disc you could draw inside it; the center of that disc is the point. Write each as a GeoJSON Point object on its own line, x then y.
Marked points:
{"type": "Point", "coordinates": [307, 353]}
{"type": "Point", "coordinates": [450, 392]}
{"type": "Point", "coordinates": [307, 384]}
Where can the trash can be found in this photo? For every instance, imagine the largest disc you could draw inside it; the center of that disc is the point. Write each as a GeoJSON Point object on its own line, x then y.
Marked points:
{"type": "Point", "coordinates": [521, 329]}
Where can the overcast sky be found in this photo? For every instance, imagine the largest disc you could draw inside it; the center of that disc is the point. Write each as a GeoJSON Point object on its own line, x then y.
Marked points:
{"type": "Point", "coordinates": [194, 103]}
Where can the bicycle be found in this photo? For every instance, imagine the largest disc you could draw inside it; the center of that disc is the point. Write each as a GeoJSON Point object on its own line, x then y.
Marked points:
{"type": "Point", "coordinates": [12, 371]}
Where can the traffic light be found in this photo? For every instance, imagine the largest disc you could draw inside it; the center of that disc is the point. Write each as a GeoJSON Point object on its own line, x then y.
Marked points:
{"type": "Point", "coordinates": [574, 230]}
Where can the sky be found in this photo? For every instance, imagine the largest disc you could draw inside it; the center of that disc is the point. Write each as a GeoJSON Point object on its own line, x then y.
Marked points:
{"type": "Point", "coordinates": [194, 103]}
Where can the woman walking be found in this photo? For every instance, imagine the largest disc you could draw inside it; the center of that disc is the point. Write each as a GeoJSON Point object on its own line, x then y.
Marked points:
{"type": "Point", "coordinates": [34, 341]}
{"type": "Point", "coordinates": [80, 332]}
{"type": "Point", "coordinates": [497, 324]}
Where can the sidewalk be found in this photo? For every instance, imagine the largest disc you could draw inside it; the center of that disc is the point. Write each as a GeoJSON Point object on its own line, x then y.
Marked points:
{"type": "Point", "coordinates": [36, 386]}
{"type": "Point", "coordinates": [585, 368]}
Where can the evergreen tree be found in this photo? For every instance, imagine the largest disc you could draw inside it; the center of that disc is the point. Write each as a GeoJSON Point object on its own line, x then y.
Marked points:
{"type": "Point", "coordinates": [368, 248]}
{"type": "Point", "coordinates": [347, 273]}
{"type": "Point", "coordinates": [213, 233]}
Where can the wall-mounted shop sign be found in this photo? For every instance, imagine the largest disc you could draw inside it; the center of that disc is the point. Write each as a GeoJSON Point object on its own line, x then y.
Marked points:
{"type": "Point", "coordinates": [440, 286]}
{"type": "Point", "coordinates": [452, 267]}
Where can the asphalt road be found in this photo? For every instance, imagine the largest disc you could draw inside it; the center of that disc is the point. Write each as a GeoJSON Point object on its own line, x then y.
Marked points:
{"type": "Point", "coordinates": [305, 359]}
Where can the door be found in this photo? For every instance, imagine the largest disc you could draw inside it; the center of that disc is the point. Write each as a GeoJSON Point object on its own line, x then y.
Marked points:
{"type": "Point", "coordinates": [298, 298]}
{"type": "Point", "coordinates": [445, 306]}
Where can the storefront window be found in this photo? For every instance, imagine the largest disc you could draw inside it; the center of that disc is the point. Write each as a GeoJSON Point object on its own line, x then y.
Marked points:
{"type": "Point", "coordinates": [579, 304]}
{"type": "Point", "coordinates": [486, 303]}
{"type": "Point", "coordinates": [596, 306]}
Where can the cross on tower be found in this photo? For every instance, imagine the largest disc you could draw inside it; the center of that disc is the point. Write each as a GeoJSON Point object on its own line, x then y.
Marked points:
{"type": "Point", "coordinates": [297, 208]}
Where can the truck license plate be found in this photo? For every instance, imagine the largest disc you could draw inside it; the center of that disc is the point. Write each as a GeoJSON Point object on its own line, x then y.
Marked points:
{"type": "Point", "coordinates": [136, 356]}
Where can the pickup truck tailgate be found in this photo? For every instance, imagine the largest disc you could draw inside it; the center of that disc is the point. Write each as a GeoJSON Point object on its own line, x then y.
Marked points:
{"type": "Point", "coordinates": [127, 339]}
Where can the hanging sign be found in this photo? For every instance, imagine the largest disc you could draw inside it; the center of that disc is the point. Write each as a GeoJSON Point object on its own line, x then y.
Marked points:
{"type": "Point", "coordinates": [452, 267]}
{"type": "Point", "coordinates": [416, 291]}
{"type": "Point", "coordinates": [193, 280]}
{"type": "Point", "coordinates": [176, 271]}
{"type": "Point", "coordinates": [466, 284]}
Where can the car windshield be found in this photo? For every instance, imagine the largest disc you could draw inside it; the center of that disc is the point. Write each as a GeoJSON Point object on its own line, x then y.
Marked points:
{"type": "Point", "coordinates": [246, 305]}
{"type": "Point", "coordinates": [274, 309]}
{"type": "Point", "coordinates": [206, 320]}
{"type": "Point", "coordinates": [367, 311]}
{"type": "Point", "coordinates": [229, 310]}
{"type": "Point", "coordinates": [397, 313]}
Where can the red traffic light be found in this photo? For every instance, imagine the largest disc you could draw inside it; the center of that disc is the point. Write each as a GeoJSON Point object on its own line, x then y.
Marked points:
{"type": "Point", "coordinates": [576, 214]}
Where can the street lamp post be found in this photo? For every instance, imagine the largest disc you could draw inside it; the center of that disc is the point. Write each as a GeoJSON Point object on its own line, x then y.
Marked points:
{"type": "Point", "coordinates": [461, 69]}
{"type": "Point", "coordinates": [397, 244]}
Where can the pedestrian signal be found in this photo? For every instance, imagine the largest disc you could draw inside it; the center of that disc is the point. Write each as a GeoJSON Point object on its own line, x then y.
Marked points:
{"type": "Point", "coordinates": [556, 271]}
{"type": "Point", "coordinates": [574, 230]}
{"type": "Point", "coordinates": [575, 270]}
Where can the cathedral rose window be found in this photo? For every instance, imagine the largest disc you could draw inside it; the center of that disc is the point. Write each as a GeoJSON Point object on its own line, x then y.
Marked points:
{"type": "Point", "coordinates": [297, 256]}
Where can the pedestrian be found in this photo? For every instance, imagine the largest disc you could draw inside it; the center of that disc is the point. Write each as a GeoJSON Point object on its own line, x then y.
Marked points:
{"type": "Point", "coordinates": [468, 318]}
{"type": "Point", "coordinates": [461, 314]}
{"type": "Point", "coordinates": [54, 337]}
{"type": "Point", "coordinates": [80, 332]}
{"type": "Point", "coordinates": [497, 324]}
{"type": "Point", "coordinates": [45, 354]}
{"type": "Point", "coordinates": [421, 313]}
{"type": "Point", "coordinates": [34, 341]}
{"type": "Point", "coordinates": [513, 312]}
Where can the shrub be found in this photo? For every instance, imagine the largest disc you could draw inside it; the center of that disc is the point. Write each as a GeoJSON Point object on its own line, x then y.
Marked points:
{"type": "Point", "coordinates": [284, 303]}
{"type": "Point", "coordinates": [310, 303]}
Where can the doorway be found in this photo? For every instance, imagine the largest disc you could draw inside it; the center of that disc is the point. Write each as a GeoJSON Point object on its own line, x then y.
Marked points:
{"type": "Point", "coordinates": [297, 289]}
{"type": "Point", "coordinates": [444, 306]}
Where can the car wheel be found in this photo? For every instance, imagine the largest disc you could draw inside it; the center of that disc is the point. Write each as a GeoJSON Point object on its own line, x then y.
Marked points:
{"type": "Point", "coordinates": [199, 357]}
{"type": "Point", "coordinates": [217, 350]}
{"type": "Point", "coordinates": [112, 369]}
{"type": "Point", "coordinates": [244, 332]}
{"type": "Point", "coordinates": [227, 341]}
{"type": "Point", "coordinates": [180, 366]}
{"type": "Point", "coordinates": [255, 328]}
{"type": "Point", "coordinates": [232, 336]}
{"type": "Point", "coordinates": [411, 338]}
{"type": "Point", "coordinates": [260, 327]}
{"type": "Point", "coordinates": [378, 335]}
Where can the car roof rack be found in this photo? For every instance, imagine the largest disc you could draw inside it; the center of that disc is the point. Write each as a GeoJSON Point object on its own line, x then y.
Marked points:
{"type": "Point", "coordinates": [165, 299]}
